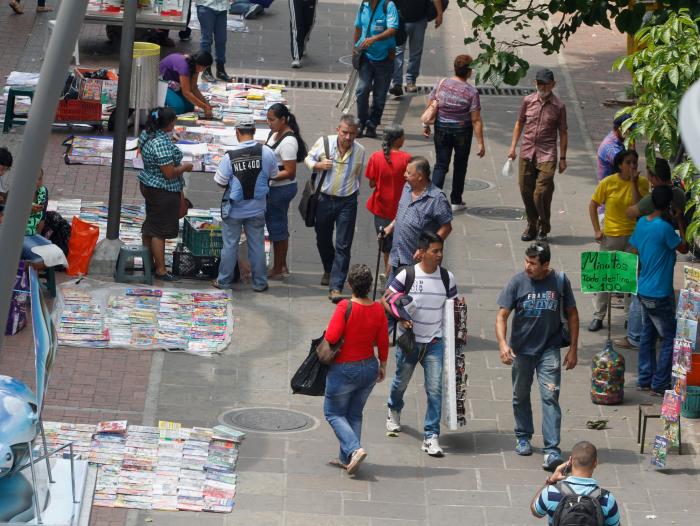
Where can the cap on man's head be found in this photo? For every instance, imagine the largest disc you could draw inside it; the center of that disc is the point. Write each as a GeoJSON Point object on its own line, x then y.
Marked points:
{"type": "Point", "coordinates": [544, 75]}
{"type": "Point", "coordinates": [619, 120]}
{"type": "Point", "coordinates": [245, 122]}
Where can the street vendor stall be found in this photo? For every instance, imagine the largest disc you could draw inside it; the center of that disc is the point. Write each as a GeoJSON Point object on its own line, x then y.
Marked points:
{"type": "Point", "coordinates": [169, 14]}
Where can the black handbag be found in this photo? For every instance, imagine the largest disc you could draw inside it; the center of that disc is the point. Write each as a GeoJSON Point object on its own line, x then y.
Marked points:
{"type": "Point", "coordinates": [328, 351]}
{"type": "Point", "coordinates": [311, 193]}
{"type": "Point", "coordinates": [564, 327]}
{"type": "Point", "coordinates": [407, 341]}
{"type": "Point", "coordinates": [310, 378]}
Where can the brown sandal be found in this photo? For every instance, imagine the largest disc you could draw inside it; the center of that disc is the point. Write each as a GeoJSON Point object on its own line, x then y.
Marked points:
{"type": "Point", "coordinates": [337, 463]}
{"type": "Point", "coordinates": [44, 9]}
{"type": "Point", "coordinates": [16, 7]}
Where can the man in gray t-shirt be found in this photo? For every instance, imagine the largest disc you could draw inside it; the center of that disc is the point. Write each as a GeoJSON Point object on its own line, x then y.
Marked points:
{"type": "Point", "coordinates": [536, 296]}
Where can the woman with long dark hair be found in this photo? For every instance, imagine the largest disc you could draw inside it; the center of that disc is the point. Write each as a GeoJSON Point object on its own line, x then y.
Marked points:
{"type": "Point", "coordinates": [161, 185]}
{"type": "Point", "coordinates": [385, 171]}
{"type": "Point", "coordinates": [362, 325]}
{"type": "Point", "coordinates": [618, 191]}
{"type": "Point", "coordinates": [181, 72]}
{"type": "Point", "coordinates": [458, 119]}
{"type": "Point", "coordinates": [285, 140]}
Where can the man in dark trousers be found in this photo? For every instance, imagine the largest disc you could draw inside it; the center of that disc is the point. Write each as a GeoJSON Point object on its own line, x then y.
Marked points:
{"type": "Point", "coordinates": [302, 15]}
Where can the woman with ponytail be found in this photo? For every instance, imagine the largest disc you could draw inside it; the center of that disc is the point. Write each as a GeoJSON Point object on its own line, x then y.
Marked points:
{"type": "Point", "coordinates": [285, 140]}
{"type": "Point", "coordinates": [385, 171]}
{"type": "Point", "coordinates": [161, 185]}
{"type": "Point", "coordinates": [181, 72]}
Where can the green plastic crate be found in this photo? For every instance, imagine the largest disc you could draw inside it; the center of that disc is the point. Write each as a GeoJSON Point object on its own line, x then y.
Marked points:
{"type": "Point", "coordinates": [202, 242]}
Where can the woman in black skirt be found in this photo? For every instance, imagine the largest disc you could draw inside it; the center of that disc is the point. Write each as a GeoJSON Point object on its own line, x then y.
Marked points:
{"type": "Point", "coordinates": [161, 185]}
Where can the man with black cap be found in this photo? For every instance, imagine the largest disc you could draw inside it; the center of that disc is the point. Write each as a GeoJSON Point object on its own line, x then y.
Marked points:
{"type": "Point", "coordinates": [613, 143]}
{"type": "Point", "coordinates": [244, 172]}
{"type": "Point", "coordinates": [542, 117]}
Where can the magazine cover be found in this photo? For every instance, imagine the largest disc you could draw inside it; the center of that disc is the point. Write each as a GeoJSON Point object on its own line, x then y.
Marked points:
{"type": "Point", "coordinates": [660, 451]}
{"type": "Point", "coordinates": [687, 330]}
{"type": "Point", "coordinates": [688, 305]}
{"type": "Point", "coordinates": [672, 433]}
{"type": "Point", "coordinates": [671, 407]}
{"type": "Point", "coordinates": [691, 278]}
{"type": "Point", "coordinates": [682, 351]}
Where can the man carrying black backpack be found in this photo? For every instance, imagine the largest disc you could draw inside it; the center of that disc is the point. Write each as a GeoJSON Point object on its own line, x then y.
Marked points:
{"type": "Point", "coordinates": [572, 497]}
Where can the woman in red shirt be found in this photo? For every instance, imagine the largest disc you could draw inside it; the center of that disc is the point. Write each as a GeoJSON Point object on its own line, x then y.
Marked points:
{"type": "Point", "coordinates": [385, 171]}
{"type": "Point", "coordinates": [352, 376]}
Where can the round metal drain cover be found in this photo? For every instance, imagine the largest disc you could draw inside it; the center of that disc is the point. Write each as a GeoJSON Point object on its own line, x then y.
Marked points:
{"type": "Point", "coordinates": [268, 419]}
{"type": "Point", "coordinates": [474, 185]}
{"type": "Point", "coordinates": [499, 213]}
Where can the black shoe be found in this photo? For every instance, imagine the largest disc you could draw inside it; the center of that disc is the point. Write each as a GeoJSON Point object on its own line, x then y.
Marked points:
{"type": "Point", "coordinates": [208, 76]}
{"type": "Point", "coordinates": [541, 236]}
{"type": "Point", "coordinates": [185, 35]}
{"type": "Point", "coordinates": [595, 325]}
{"type": "Point", "coordinates": [527, 236]}
{"type": "Point", "coordinates": [167, 277]}
{"type": "Point", "coordinates": [222, 75]}
{"type": "Point", "coordinates": [370, 132]}
{"type": "Point", "coordinates": [396, 90]}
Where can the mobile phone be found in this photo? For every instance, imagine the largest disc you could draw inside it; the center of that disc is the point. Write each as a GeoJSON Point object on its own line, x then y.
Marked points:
{"type": "Point", "coordinates": [567, 469]}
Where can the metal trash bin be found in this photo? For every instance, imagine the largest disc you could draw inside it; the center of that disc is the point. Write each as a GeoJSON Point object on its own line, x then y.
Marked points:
{"type": "Point", "coordinates": [144, 79]}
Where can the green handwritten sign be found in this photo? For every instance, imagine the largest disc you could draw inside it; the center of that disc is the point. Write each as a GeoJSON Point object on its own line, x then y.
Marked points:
{"type": "Point", "coordinates": [609, 272]}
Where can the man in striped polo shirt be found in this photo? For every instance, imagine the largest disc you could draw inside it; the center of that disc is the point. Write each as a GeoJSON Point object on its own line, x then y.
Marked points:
{"type": "Point", "coordinates": [431, 286]}
{"type": "Point", "coordinates": [575, 477]}
{"type": "Point", "coordinates": [339, 173]}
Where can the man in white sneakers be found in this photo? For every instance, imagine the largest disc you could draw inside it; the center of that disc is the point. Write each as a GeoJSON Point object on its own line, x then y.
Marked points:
{"type": "Point", "coordinates": [429, 285]}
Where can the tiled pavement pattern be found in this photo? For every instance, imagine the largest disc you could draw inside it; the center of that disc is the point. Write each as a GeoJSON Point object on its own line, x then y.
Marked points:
{"type": "Point", "coordinates": [283, 478]}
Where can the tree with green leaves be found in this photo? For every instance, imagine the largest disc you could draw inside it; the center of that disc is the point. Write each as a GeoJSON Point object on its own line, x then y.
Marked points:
{"type": "Point", "coordinates": [547, 25]}
{"type": "Point", "coordinates": [666, 65]}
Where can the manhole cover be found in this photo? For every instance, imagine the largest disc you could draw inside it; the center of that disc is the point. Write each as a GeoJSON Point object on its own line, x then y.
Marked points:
{"type": "Point", "coordinates": [499, 213]}
{"type": "Point", "coordinates": [268, 419]}
{"type": "Point", "coordinates": [474, 185]}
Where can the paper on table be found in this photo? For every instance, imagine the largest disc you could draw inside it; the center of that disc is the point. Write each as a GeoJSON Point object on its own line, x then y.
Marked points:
{"type": "Point", "coordinates": [193, 149]}
{"type": "Point", "coordinates": [132, 144]}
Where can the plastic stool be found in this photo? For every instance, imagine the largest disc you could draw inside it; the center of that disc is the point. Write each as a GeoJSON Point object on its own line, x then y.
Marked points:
{"type": "Point", "coordinates": [10, 114]}
{"type": "Point", "coordinates": [76, 52]}
{"type": "Point", "coordinates": [125, 262]}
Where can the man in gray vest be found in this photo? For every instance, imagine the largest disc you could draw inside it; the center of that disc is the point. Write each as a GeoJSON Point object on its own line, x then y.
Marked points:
{"type": "Point", "coordinates": [244, 173]}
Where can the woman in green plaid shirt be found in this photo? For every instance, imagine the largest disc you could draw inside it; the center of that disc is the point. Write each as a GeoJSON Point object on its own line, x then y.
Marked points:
{"type": "Point", "coordinates": [161, 185]}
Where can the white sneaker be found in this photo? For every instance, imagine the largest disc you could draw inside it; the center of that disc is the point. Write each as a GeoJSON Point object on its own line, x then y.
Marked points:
{"type": "Point", "coordinates": [432, 447]}
{"type": "Point", "coordinates": [393, 421]}
{"type": "Point", "coordinates": [459, 207]}
{"type": "Point", "coordinates": [296, 64]}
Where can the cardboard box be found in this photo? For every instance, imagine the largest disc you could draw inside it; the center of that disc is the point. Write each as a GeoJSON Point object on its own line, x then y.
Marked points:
{"type": "Point", "coordinates": [104, 91]}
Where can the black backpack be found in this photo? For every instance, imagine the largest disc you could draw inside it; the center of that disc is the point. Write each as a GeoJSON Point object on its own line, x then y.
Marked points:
{"type": "Point", "coordinates": [578, 510]}
{"type": "Point", "coordinates": [57, 230]}
{"type": "Point", "coordinates": [400, 35]}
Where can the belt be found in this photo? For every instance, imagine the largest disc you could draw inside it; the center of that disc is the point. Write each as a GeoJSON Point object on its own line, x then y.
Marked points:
{"type": "Point", "coordinates": [338, 197]}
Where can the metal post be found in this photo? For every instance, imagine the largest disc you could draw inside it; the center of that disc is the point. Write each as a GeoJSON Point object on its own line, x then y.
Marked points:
{"type": "Point", "coordinates": [36, 136]}
{"type": "Point", "coordinates": [72, 472]}
{"type": "Point", "coordinates": [46, 451]}
{"type": "Point", "coordinates": [137, 101]}
{"type": "Point", "coordinates": [116, 181]}
{"type": "Point", "coordinates": [36, 495]}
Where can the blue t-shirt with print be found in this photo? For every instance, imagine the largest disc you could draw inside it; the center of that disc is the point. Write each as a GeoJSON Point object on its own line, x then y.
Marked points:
{"type": "Point", "coordinates": [385, 16]}
{"type": "Point", "coordinates": [548, 500]}
{"type": "Point", "coordinates": [656, 242]}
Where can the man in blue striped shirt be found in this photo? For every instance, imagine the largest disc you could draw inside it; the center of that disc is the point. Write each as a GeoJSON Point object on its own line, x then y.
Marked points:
{"type": "Point", "coordinates": [581, 464]}
{"type": "Point", "coordinates": [337, 204]}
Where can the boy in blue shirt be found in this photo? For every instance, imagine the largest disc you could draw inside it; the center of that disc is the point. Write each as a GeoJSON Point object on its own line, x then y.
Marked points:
{"type": "Point", "coordinates": [656, 242]}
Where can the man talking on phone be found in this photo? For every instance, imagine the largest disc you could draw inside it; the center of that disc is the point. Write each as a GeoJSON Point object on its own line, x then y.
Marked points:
{"type": "Point", "coordinates": [572, 496]}
{"type": "Point", "coordinates": [541, 300]}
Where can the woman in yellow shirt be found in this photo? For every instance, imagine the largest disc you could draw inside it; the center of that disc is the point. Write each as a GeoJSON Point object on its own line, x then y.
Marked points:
{"type": "Point", "coordinates": [617, 191]}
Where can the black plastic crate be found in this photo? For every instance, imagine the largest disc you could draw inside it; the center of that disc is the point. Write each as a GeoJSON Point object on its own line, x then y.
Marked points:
{"type": "Point", "coordinates": [187, 265]}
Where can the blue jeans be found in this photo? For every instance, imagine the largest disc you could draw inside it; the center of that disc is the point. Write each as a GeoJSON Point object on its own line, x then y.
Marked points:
{"type": "Point", "coordinates": [374, 77]}
{"type": "Point", "coordinates": [415, 35]}
{"type": "Point", "coordinates": [339, 213]}
{"type": "Point", "coordinates": [277, 211]}
{"type": "Point", "coordinates": [449, 137]}
{"type": "Point", "coordinates": [658, 320]}
{"type": "Point", "coordinates": [348, 385]}
{"type": "Point", "coordinates": [548, 367]}
{"type": "Point", "coordinates": [179, 104]}
{"type": "Point", "coordinates": [255, 234]}
{"type": "Point", "coordinates": [432, 361]}
{"type": "Point", "coordinates": [634, 322]}
{"type": "Point", "coordinates": [30, 242]}
{"type": "Point", "coordinates": [213, 24]}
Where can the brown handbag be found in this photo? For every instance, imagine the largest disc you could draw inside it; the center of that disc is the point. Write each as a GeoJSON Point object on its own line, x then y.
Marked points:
{"type": "Point", "coordinates": [326, 351]}
{"type": "Point", "coordinates": [431, 110]}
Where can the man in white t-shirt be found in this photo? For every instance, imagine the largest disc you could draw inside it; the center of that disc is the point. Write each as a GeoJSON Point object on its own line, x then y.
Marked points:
{"type": "Point", "coordinates": [430, 287]}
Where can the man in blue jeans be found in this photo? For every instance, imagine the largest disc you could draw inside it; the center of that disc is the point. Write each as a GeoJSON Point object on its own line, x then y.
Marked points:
{"type": "Point", "coordinates": [338, 171]}
{"type": "Point", "coordinates": [212, 16]}
{"type": "Point", "coordinates": [537, 296]}
{"type": "Point", "coordinates": [656, 242]}
{"type": "Point", "coordinates": [375, 26]}
{"type": "Point", "coordinates": [429, 294]}
{"type": "Point", "coordinates": [415, 16]}
{"type": "Point", "coordinates": [245, 173]}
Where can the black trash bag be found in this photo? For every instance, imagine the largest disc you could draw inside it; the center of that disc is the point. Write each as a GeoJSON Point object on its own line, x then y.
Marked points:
{"type": "Point", "coordinates": [310, 378]}
{"type": "Point", "coordinates": [57, 230]}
